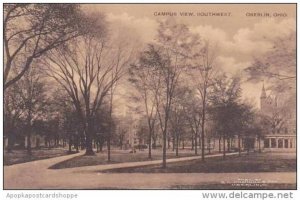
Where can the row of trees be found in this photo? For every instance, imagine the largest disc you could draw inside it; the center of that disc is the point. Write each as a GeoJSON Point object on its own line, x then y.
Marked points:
{"type": "Point", "coordinates": [63, 68]}
{"type": "Point", "coordinates": [59, 45]}
{"type": "Point", "coordinates": [161, 76]}
{"type": "Point", "coordinates": [181, 86]}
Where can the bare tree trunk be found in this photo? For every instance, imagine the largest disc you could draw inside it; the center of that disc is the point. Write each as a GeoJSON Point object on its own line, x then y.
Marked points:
{"type": "Point", "coordinates": [164, 164]}
{"type": "Point", "coordinates": [89, 139]}
{"type": "Point", "coordinates": [220, 138]}
{"type": "Point", "coordinates": [77, 143]}
{"type": "Point", "coordinates": [10, 142]}
{"type": "Point", "coordinates": [203, 125]}
{"type": "Point", "coordinates": [196, 145]}
{"type": "Point", "coordinates": [228, 144]}
{"type": "Point", "coordinates": [173, 145]}
{"type": "Point", "coordinates": [149, 144]}
{"type": "Point", "coordinates": [70, 144]}
{"type": "Point", "coordinates": [239, 143]}
{"type": "Point", "coordinates": [154, 143]}
{"type": "Point", "coordinates": [89, 146]}
{"type": "Point", "coordinates": [29, 132]}
{"type": "Point", "coordinates": [108, 148]}
{"type": "Point", "coordinates": [224, 148]}
{"type": "Point", "coordinates": [29, 143]}
{"type": "Point", "coordinates": [83, 142]}
{"type": "Point", "coordinates": [101, 146]}
{"type": "Point", "coordinates": [208, 145]}
{"type": "Point", "coordinates": [177, 144]}
{"type": "Point", "coordinates": [192, 142]}
{"type": "Point", "coordinates": [200, 142]}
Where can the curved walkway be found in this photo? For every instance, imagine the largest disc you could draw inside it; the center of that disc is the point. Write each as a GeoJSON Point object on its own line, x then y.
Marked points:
{"type": "Point", "coordinates": [36, 175]}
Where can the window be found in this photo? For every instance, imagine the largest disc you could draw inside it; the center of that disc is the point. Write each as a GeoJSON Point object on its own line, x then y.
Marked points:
{"type": "Point", "coordinates": [266, 143]}
{"type": "Point", "coordinates": [273, 143]}
{"type": "Point", "coordinates": [280, 143]}
{"type": "Point", "coordinates": [291, 143]}
{"type": "Point", "coordinates": [286, 143]}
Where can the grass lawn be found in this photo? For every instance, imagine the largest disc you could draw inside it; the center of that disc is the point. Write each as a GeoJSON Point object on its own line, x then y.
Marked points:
{"type": "Point", "coordinates": [118, 156]}
{"type": "Point", "coordinates": [255, 162]}
{"type": "Point", "coordinates": [21, 156]}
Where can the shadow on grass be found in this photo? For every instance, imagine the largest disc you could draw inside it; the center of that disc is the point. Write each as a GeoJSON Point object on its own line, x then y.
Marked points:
{"type": "Point", "coordinates": [255, 162]}
{"type": "Point", "coordinates": [116, 157]}
{"type": "Point", "coordinates": [21, 156]}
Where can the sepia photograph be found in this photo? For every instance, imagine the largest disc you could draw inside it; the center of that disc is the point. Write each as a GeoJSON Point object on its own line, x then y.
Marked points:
{"type": "Point", "coordinates": [149, 96]}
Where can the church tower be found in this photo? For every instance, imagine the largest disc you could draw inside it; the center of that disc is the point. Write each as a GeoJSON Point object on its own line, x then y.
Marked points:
{"type": "Point", "coordinates": [263, 98]}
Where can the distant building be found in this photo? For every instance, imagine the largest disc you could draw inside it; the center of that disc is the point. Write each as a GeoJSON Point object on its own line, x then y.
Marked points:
{"type": "Point", "coordinates": [129, 121]}
{"type": "Point", "coordinates": [279, 137]}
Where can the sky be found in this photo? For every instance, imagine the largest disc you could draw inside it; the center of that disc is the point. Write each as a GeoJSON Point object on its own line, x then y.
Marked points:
{"type": "Point", "coordinates": [243, 32]}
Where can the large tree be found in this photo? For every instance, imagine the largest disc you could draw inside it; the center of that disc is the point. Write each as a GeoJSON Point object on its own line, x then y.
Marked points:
{"type": "Point", "coordinates": [141, 76]}
{"type": "Point", "coordinates": [32, 91]}
{"type": "Point", "coordinates": [278, 64]}
{"type": "Point", "coordinates": [13, 110]}
{"type": "Point", "coordinates": [88, 69]}
{"type": "Point", "coordinates": [193, 115]}
{"type": "Point", "coordinates": [204, 71]}
{"type": "Point", "coordinates": [225, 109]}
{"type": "Point", "coordinates": [167, 57]}
{"type": "Point", "coordinates": [177, 119]}
{"type": "Point", "coordinates": [31, 30]}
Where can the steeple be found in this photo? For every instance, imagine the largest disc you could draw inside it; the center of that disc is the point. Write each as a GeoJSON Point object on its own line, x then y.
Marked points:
{"type": "Point", "coordinates": [276, 101]}
{"type": "Point", "coordinates": [263, 92]}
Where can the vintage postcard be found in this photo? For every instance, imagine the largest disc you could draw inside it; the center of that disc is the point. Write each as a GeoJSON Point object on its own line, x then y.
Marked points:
{"type": "Point", "coordinates": [149, 96]}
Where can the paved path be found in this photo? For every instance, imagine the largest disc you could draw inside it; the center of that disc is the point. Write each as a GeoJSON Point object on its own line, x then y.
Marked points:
{"type": "Point", "coordinates": [97, 168]}
{"type": "Point", "coordinates": [36, 175]}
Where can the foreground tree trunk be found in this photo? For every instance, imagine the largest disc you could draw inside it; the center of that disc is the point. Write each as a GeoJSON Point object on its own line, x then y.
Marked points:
{"type": "Point", "coordinates": [89, 146]}
{"type": "Point", "coordinates": [29, 132]}
{"type": "Point", "coordinates": [89, 139]}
